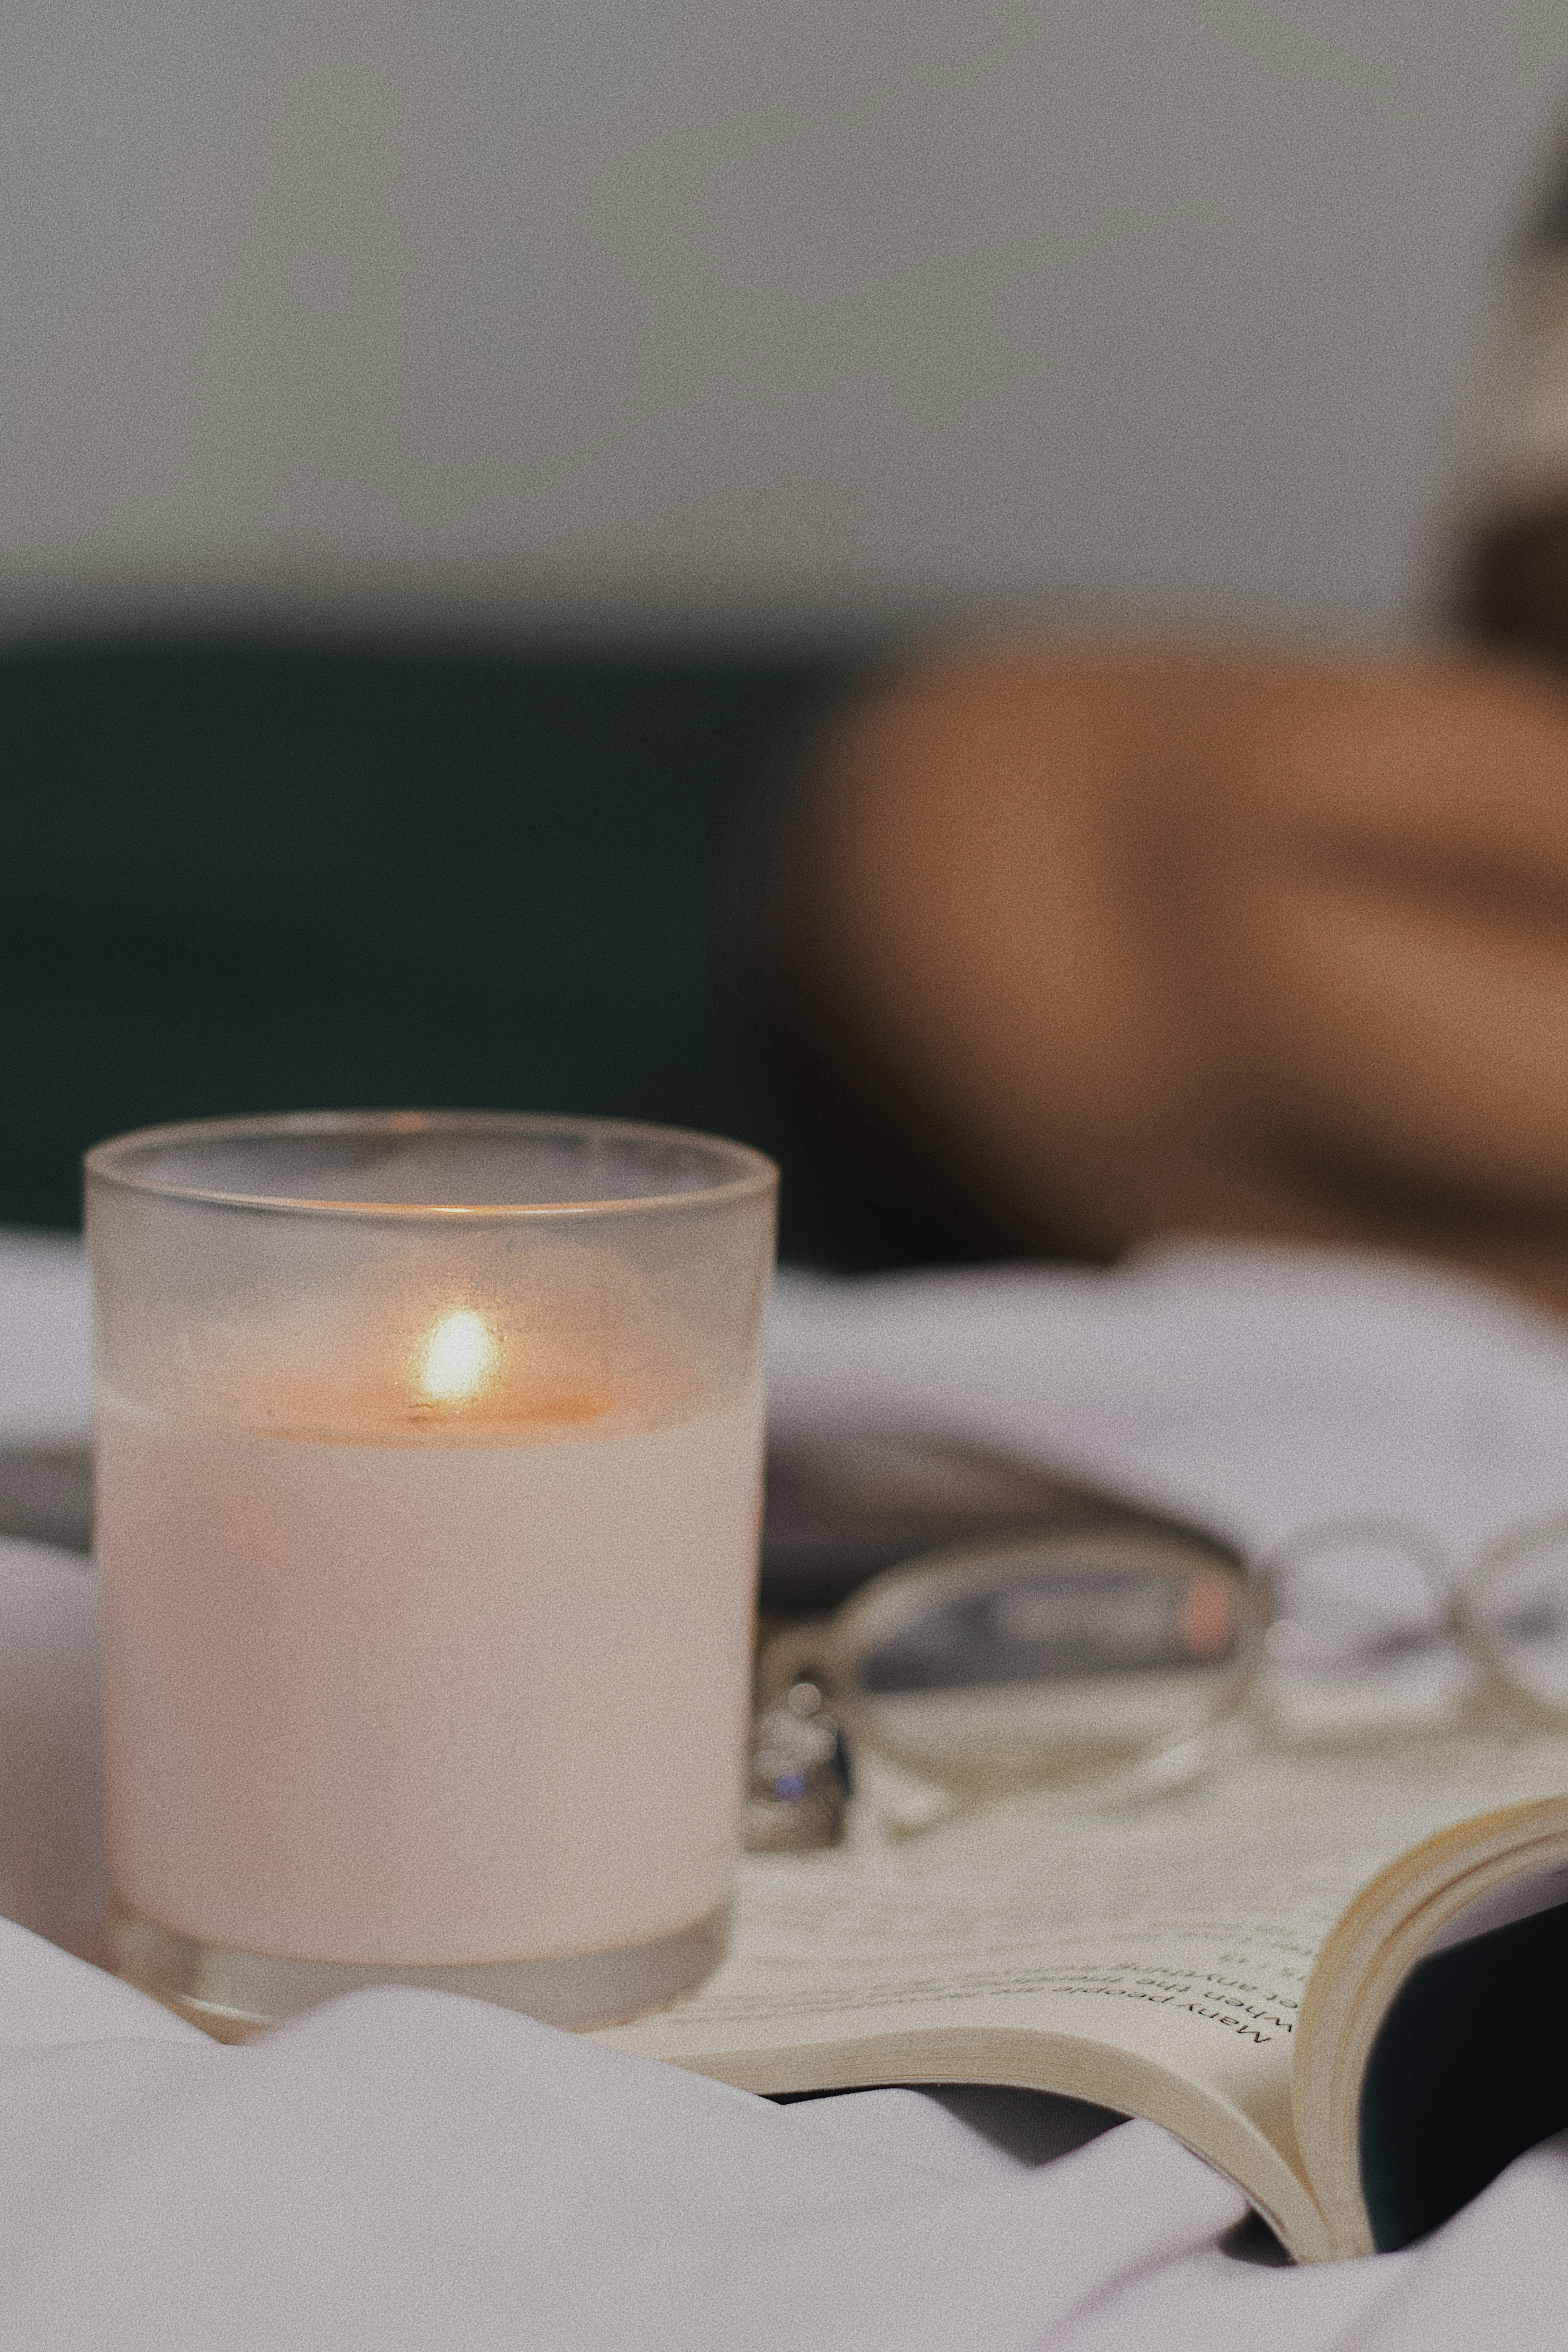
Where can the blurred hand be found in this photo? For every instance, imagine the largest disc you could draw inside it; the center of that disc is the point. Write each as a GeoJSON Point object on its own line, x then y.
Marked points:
{"type": "Point", "coordinates": [1091, 946]}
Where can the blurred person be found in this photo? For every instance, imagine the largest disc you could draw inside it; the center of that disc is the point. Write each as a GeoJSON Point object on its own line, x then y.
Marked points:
{"type": "Point", "coordinates": [1077, 944]}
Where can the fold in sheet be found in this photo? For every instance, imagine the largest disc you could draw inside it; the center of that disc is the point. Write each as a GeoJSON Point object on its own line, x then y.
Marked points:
{"type": "Point", "coordinates": [402, 2171]}
{"type": "Point", "coordinates": [1258, 1388]}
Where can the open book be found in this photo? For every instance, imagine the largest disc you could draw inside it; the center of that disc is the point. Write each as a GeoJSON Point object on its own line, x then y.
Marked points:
{"type": "Point", "coordinates": [1342, 1980]}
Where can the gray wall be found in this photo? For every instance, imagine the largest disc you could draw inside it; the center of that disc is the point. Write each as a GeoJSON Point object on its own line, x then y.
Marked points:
{"type": "Point", "coordinates": [746, 313]}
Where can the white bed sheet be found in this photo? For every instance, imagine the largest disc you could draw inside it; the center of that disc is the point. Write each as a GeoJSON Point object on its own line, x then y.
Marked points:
{"type": "Point", "coordinates": [408, 2170]}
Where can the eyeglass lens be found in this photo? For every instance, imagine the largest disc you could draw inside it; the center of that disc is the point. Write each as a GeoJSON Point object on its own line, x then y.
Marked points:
{"type": "Point", "coordinates": [1516, 1603]}
{"type": "Point", "coordinates": [1064, 1662]}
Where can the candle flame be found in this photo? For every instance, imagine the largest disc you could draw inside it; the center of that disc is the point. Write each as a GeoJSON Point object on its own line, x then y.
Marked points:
{"type": "Point", "coordinates": [459, 1360]}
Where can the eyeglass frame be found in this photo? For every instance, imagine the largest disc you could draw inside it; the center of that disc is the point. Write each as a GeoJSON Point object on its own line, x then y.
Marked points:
{"type": "Point", "coordinates": [814, 1654]}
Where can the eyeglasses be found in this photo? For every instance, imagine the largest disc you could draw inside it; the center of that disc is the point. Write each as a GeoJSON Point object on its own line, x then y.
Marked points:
{"type": "Point", "coordinates": [1109, 1664]}
{"type": "Point", "coordinates": [1375, 1632]}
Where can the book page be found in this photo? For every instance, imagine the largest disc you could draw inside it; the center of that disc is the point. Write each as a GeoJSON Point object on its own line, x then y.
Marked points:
{"type": "Point", "coordinates": [1167, 1940]}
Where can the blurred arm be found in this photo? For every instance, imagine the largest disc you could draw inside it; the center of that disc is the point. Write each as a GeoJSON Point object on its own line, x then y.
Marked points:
{"type": "Point", "coordinates": [1087, 946]}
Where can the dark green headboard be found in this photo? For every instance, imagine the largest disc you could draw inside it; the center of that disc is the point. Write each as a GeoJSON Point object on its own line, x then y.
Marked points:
{"type": "Point", "coordinates": [254, 878]}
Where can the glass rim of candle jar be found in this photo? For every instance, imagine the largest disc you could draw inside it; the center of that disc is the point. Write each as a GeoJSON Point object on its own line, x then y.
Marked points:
{"type": "Point", "coordinates": [750, 1173]}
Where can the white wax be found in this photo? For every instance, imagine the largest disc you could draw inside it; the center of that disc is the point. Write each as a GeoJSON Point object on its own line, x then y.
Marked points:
{"type": "Point", "coordinates": [416, 1702]}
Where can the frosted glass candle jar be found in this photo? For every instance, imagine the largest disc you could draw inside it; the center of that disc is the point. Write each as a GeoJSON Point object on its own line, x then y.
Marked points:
{"type": "Point", "coordinates": [428, 1473]}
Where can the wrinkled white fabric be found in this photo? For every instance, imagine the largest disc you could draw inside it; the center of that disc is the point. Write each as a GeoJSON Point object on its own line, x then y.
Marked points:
{"type": "Point", "coordinates": [407, 2170]}
{"type": "Point", "coordinates": [45, 1339]}
{"type": "Point", "coordinates": [402, 2170]}
{"type": "Point", "coordinates": [1258, 1388]}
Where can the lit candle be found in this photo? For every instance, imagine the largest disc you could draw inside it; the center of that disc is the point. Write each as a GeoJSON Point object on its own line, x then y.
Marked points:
{"type": "Point", "coordinates": [427, 1620]}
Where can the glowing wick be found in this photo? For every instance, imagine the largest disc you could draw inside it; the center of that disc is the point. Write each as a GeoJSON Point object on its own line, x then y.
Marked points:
{"type": "Point", "coordinates": [459, 1357]}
